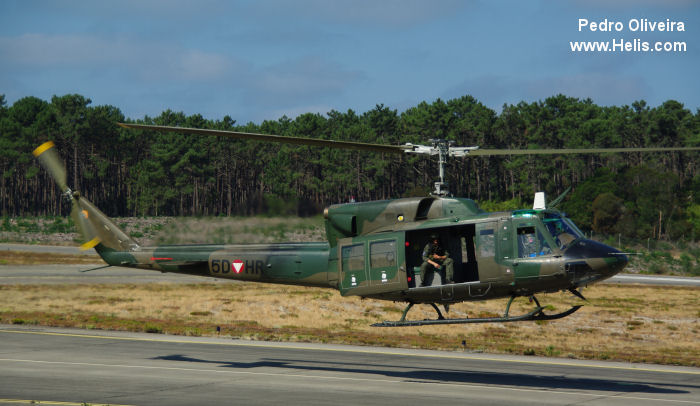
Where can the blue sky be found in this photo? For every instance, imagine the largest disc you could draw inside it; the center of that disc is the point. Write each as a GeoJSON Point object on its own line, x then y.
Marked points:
{"type": "Point", "coordinates": [257, 60]}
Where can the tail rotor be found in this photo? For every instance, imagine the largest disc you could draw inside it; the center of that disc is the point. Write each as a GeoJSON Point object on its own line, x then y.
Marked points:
{"type": "Point", "coordinates": [95, 227]}
{"type": "Point", "coordinates": [49, 159]}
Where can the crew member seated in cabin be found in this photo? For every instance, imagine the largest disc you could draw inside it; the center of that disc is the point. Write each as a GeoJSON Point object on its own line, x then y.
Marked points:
{"type": "Point", "coordinates": [436, 257]}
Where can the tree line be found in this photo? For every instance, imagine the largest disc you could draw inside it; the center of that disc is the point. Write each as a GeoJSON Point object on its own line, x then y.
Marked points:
{"type": "Point", "coordinates": [136, 173]}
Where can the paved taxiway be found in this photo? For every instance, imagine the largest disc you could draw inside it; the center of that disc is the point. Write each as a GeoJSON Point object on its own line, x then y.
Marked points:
{"type": "Point", "coordinates": [64, 365]}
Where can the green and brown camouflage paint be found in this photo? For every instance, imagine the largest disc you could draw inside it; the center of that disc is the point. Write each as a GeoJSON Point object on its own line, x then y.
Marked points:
{"type": "Point", "coordinates": [372, 251]}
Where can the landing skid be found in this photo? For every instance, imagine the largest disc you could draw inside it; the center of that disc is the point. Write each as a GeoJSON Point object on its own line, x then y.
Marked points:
{"type": "Point", "coordinates": [536, 314]}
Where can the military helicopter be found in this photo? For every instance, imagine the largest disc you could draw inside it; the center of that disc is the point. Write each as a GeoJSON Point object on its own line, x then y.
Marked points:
{"type": "Point", "coordinates": [375, 249]}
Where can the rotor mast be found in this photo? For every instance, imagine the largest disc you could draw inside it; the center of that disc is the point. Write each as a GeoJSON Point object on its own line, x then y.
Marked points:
{"type": "Point", "coordinates": [443, 149]}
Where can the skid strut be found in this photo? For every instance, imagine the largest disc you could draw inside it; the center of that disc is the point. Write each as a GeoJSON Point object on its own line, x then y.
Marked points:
{"type": "Point", "coordinates": [536, 314]}
{"type": "Point", "coordinates": [410, 304]}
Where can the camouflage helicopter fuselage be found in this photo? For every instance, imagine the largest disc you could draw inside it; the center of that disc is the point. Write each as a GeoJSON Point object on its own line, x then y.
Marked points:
{"type": "Point", "coordinates": [374, 249]}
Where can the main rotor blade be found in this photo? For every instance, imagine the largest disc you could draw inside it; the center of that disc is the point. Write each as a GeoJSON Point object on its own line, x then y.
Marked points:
{"type": "Point", "coordinates": [393, 149]}
{"type": "Point", "coordinates": [48, 158]}
{"type": "Point", "coordinates": [552, 151]}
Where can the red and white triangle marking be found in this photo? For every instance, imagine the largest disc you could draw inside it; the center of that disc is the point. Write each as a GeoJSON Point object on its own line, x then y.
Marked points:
{"type": "Point", "coordinates": [237, 266]}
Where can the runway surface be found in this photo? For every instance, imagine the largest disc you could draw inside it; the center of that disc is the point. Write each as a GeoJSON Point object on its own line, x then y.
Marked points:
{"type": "Point", "coordinates": [97, 367]}
{"type": "Point", "coordinates": [655, 280]}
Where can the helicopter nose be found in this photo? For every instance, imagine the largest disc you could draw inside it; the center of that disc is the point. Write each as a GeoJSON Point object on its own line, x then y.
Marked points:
{"type": "Point", "coordinates": [606, 260]}
{"type": "Point", "coordinates": [615, 261]}
{"type": "Point", "coordinates": [590, 261]}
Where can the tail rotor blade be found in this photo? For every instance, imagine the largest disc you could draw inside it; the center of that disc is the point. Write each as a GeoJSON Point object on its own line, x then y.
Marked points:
{"type": "Point", "coordinates": [94, 226]}
{"type": "Point", "coordinates": [48, 158]}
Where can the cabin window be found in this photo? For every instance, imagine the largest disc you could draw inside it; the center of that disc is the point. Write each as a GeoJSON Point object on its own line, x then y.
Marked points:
{"type": "Point", "coordinates": [527, 245]}
{"type": "Point", "coordinates": [382, 254]}
{"type": "Point", "coordinates": [531, 243]}
{"type": "Point", "coordinates": [544, 245]}
{"type": "Point", "coordinates": [563, 230]}
{"type": "Point", "coordinates": [487, 243]}
{"type": "Point", "coordinates": [353, 257]}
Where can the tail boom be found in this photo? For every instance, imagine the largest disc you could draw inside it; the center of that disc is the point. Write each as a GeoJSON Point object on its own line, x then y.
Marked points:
{"type": "Point", "coordinates": [303, 264]}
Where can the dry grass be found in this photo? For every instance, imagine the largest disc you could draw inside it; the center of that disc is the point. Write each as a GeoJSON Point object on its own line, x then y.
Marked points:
{"type": "Point", "coordinates": [239, 230]}
{"type": "Point", "coordinates": [39, 258]}
{"type": "Point", "coordinates": [174, 230]}
{"type": "Point", "coordinates": [628, 323]}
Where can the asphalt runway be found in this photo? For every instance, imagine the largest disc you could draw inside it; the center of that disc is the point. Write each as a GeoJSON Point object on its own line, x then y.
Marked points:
{"type": "Point", "coordinates": [70, 274]}
{"type": "Point", "coordinates": [98, 367]}
{"type": "Point", "coordinates": [655, 280]}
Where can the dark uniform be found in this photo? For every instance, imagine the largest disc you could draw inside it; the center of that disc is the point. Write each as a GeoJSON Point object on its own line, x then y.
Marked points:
{"type": "Point", "coordinates": [427, 270]}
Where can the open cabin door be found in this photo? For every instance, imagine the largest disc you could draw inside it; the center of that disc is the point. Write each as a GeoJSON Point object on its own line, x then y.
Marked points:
{"type": "Point", "coordinates": [372, 264]}
{"type": "Point", "coordinates": [457, 240]}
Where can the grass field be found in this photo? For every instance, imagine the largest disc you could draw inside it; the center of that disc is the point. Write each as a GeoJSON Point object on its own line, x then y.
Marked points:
{"type": "Point", "coordinates": [626, 323]}
{"type": "Point", "coordinates": [37, 258]}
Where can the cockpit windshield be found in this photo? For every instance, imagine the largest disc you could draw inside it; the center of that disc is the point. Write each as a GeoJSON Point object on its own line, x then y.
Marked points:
{"type": "Point", "coordinates": [563, 230]}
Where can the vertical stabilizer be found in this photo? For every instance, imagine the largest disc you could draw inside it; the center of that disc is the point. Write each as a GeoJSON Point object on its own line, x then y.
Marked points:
{"type": "Point", "coordinates": [96, 228]}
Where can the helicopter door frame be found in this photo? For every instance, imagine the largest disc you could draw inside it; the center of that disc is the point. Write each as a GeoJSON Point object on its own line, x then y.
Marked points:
{"type": "Point", "coordinates": [372, 264]}
{"type": "Point", "coordinates": [384, 265]}
{"type": "Point", "coordinates": [504, 249]}
{"type": "Point", "coordinates": [533, 249]}
{"type": "Point", "coordinates": [352, 257]}
{"type": "Point", "coordinates": [486, 239]}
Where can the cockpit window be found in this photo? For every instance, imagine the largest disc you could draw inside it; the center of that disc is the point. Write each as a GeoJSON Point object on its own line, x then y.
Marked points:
{"type": "Point", "coordinates": [531, 242]}
{"type": "Point", "coordinates": [563, 230]}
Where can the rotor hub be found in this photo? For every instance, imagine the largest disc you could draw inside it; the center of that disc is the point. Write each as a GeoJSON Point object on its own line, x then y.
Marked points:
{"type": "Point", "coordinates": [443, 149]}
